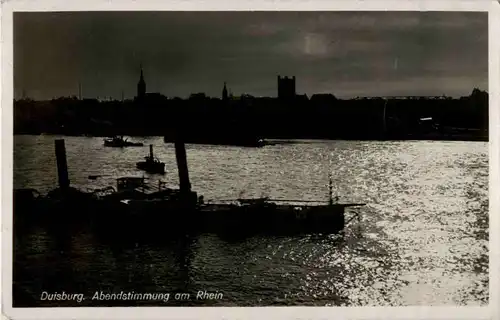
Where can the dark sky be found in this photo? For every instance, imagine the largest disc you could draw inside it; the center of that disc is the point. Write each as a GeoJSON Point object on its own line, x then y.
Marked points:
{"type": "Point", "coordinates": [345, 53]}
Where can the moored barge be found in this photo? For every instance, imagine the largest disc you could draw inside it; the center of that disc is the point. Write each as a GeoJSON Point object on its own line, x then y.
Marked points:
{"type": "Point", "coordinates": [135, 208]}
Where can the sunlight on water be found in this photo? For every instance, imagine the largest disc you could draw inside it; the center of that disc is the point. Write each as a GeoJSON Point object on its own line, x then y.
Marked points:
{"type": "Point", "coordinates": [422, 239]}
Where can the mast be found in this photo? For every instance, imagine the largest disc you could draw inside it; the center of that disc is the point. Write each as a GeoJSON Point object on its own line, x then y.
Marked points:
{"type": "Point", "coordinates": [330, 189]}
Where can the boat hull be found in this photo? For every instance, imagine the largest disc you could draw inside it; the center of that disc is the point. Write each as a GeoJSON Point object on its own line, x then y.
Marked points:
{"type": "Point", "coordinates": [122, 145]}
{"type": "Point", "coordinates": [151, 168]}
{"type": "Point", "coordinates": [119, 143]}
{"type": "Point", "coordinates": [249, 143]}
{"type": "Point", "coordinates": [157, 218]}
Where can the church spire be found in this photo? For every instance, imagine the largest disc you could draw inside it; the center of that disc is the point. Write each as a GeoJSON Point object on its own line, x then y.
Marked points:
{"type": "Point", "coordinates": [224, 92]}
{"type": "Point", "coordinates": [141, 86]}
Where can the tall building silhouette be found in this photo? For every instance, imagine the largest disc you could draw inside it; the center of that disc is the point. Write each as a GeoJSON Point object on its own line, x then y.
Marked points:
{"type": "Point", "coordinates": [286, 87]}
{"type": "Point", "coordinates": [224, 92]}
{"type": "Point", "coordinates": [148, 98]}
{"type": "Point", "coordinates": [141, 87]}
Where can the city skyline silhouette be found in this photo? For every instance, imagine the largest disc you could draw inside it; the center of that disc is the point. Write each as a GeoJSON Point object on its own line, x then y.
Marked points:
{"type": "Point", "coordinates": [347, 54]}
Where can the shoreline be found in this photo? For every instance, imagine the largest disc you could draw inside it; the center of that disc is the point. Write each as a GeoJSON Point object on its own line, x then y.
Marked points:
{"type": "Point", "coordinates": [291, 140]}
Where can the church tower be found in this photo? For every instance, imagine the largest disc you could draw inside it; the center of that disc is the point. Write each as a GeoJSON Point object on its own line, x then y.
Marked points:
{"type": "Point", "coordinates": [224, 92]}
{"type": "Point", "coordinates": [141, 86]}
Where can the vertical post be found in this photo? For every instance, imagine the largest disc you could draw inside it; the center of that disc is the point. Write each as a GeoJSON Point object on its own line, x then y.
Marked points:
{"type": "Point", "coordinates": [180, 154]}
{"type": "Point", "coordinates": [330, 189]}
{"type": "Point", "coordinates": [151, 151]}
{"type": "Point", "coordinates": [62, 166]}
{"type": "Point", "coordinates": [384, 119]}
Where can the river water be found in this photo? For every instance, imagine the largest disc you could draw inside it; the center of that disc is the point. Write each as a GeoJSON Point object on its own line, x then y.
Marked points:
{"type": "Point", "coordinates": [422, 238]}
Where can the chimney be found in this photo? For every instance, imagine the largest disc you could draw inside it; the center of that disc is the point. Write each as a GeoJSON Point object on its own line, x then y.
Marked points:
{"type": "Point", "coordinates": [62, 166]}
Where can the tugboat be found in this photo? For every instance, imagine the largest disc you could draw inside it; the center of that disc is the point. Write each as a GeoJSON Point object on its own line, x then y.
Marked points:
{"type": "Point", "coordinates": [119, 142]}
{"type": "Point", "coordinates": [151, 164]}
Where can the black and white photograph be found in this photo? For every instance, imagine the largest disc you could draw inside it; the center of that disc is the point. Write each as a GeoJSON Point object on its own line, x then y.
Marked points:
{"type": "Point", "coordinates": [250, 159]}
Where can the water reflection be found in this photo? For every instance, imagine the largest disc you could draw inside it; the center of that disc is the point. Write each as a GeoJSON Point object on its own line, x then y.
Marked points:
{"type": "Point", "coordinates": [422, 238]}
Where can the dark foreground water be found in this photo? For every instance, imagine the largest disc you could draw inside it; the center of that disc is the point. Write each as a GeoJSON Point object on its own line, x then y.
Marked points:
{"type": "Point", "coordinates": [422, 239]}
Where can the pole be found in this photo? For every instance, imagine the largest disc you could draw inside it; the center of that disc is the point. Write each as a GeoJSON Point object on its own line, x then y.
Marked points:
{"type": "Point", "coordinates": [180, 154]}
{"type": "Point", "coordinates": [62, 165]}
{"type": "Point", "coordinates": [384, 120]}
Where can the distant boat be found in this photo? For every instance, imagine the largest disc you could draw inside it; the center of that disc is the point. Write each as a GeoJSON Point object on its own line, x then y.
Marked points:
{"type": "Point", "coordinates": [151, 164]}
{"type": "Point", "coordinates": [251, 142]}
{"type": "Point", "coordinates": [119, 142]}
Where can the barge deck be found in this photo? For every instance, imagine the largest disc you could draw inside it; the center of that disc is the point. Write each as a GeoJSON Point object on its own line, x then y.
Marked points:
{"type": "Point", "coordinates": [133, 210]}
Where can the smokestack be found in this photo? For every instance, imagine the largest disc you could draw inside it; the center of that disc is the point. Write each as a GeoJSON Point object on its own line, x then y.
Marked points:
{"type": "Point", "coordinates": [180, 154]}
{"type": "Point", "coordinates": [62, 166]}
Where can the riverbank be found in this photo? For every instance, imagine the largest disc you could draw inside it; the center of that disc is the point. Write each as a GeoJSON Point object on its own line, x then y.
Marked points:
{"type": "Point", "coordinates": [289, 139]}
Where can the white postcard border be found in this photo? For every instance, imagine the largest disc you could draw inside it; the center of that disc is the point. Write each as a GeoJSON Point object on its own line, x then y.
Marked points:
{"type": "Point", "coordinates": [422, 312]}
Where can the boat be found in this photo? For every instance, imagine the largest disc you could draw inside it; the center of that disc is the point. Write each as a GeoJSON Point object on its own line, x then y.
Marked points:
{"type": "Point", "coordinates": [144, 206]}
{"type": "Point", "coordinates": [151, 164]}
{"type": "Point", "coordinates": [250, 142]}
{"type": "Point", "coordinates": [153, 212]}
{"type": "Point", "coordinates": [120, 142]}
{"type": "Point", "coordinates": [278, 216]}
